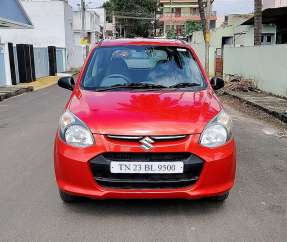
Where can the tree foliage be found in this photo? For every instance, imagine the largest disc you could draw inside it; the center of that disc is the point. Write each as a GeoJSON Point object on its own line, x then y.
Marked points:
{"type": "Point", "coordinates": [192, 26]}
{"type": "Point", "coordinates": [132, 8]}
{"type": "Point", "coordinates": [171, 34]}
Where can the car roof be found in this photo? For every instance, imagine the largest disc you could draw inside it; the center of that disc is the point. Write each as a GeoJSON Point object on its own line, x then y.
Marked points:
{"type": "Point", "coordinates": [143, 41]}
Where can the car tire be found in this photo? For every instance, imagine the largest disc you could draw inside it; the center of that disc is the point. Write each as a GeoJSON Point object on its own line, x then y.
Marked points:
{"type": "Point", "coordinates": [68, 198]}
{"type": "Point", "coordinates": [220, 198]}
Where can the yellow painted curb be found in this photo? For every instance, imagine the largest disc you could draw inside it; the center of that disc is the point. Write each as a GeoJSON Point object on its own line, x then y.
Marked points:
{"type": "Point", "coordinates": [41, 82]}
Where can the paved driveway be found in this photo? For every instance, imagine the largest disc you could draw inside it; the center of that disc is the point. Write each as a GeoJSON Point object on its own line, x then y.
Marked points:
{"type": "Point", "coordinates": [30, 209]}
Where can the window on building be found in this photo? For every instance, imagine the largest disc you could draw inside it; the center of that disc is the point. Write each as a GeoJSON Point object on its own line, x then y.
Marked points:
{"type": "Point", "coordinates": [267, 39]}
{"type": "Point", "coordinates": [194, 11]}
{"type": "Point", "coordinates": [177, 12]}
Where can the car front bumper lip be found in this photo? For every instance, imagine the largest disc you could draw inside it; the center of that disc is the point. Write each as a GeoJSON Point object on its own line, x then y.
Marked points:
{"type": "Point", "coordinates": [74, 175]}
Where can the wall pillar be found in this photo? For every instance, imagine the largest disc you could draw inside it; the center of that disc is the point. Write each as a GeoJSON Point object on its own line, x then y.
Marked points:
{"type": "Point", "coordinates": [7, 66]}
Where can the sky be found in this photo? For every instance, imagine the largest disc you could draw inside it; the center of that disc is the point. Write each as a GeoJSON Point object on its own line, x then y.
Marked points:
{"type": "Point", "coordinates": [222, 7]}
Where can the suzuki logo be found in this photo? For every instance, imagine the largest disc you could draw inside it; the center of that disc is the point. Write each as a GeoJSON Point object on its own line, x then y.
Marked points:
{"type": "Point", "coordinates": [147, 143]}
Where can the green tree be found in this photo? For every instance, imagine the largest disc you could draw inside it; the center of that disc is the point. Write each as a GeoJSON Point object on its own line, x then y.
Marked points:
{"type": "Point", "coordinates": [109, 9]}
{"type": "Point", "coordinates": [171, 34]}
{"type": "Point", "coordinates": [192, 26]}
{"type": "Point", "coordinates": [135, 22]}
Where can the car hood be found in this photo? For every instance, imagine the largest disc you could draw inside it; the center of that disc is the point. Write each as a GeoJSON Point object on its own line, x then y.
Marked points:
{"type": "Point", "coordinates": [145, 113]}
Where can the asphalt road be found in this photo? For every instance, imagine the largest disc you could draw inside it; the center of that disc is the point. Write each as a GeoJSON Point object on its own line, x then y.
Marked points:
{"type": "Point", "coordinates": [30, 209]}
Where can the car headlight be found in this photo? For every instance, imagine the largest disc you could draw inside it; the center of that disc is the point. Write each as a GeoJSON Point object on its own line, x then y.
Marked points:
{"type": "Point", "coordinates": [74, 131]}
{"type": "Point", "coordinates": [217, 132]}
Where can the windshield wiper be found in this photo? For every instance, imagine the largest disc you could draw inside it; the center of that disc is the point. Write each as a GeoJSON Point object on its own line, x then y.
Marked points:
{"type": "Point", "coordinates": [145, 85]}
{"type": "Point", "coordinates": [185, 84]}
{"type": "Point", "coordinates": [132, 86]}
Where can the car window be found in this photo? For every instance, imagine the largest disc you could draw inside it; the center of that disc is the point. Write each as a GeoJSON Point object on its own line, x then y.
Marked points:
{"type": "Point", "coordinates": [159, 65]}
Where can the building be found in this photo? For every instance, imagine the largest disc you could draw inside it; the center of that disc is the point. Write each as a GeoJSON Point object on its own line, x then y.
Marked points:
{"type": "Point", "coordinates": [92, 29]}
{"type": "Point", "coordinates": [50, 41]}
{"type": "Point", "coordinates": [236, 31]}
{"type": "Point", "coordinates": [52, 26]}
{"type": "Point", "coordinates": [274, 3]}
{"type": "Point", "coordinates": [12, 15]}
{"type": "Point", "coordinates": [85, 38]}
{"type": "Point", "coordinates": [177, 13]}
{"type": "Point", "coordinates": [273, 17]}
{"type": "Point", "coordinates": [109, 31]}
{"type": "Point", "coordinates": [233, 32]}
{"type": "Point", "coordinates": [102, 14]}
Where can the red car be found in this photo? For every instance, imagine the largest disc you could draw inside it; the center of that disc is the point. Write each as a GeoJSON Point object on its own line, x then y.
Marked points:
{"type": "Point", "coordinates": [143, 122]}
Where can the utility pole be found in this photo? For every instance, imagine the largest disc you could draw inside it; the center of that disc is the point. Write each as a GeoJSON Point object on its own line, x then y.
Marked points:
{"type": "Point", "coordinates": [104, 26]}
{"type": "Point", "coordinates": [171, 23]}
{"type": "Point", "coordinates": [83, 13]}
{"type": "Point", "coordinates": [114, 25]}
{"type": "Point", "coordinates": [207, 35]}
{"type": "Point", "coordinates": [154, 24]}
{"type": "Point", "coordinates": [205, 13]}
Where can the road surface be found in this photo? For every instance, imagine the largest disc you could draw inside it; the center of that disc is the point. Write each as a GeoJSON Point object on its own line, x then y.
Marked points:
{"type": "Point", "coordinates": [30, 209]}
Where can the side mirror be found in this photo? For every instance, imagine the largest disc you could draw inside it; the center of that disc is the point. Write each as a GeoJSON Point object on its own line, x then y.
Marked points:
{"type": "Point", "coordinates": [67, 82]}
{"type": "Point", "coordinates": [217, 83]}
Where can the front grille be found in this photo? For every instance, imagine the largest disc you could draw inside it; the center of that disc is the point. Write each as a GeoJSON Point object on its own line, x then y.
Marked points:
{"type": "Point", "coordinates": [100, 167]}
{"type": "Point", "coordinates": [166, 138]}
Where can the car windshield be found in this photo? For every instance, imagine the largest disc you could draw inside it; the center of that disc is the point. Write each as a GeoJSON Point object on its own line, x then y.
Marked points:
{"type": "Point", "coordinates": [142, 66]}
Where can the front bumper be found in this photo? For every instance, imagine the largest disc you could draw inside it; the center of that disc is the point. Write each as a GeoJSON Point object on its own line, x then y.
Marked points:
{"type": "Point", "coordinates": [74, 174]}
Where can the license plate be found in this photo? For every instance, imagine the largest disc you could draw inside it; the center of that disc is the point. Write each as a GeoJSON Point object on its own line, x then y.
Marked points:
{"type": "Point", "coordinates": [146, 167]}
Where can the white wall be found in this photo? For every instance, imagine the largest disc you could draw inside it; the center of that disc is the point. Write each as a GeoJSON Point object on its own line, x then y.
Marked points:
{"type": "Point", "coordinates": [280, 3]}
{"type": "Point", "coordinates": [266, 65]}
{"type": "Point", "coordinates": [76, 56]}
{"type": "Point", "coordinates": [243, 35]}
{"type": "Point", "coordinates": [102, 14]}
{"type": "Point", "coordinates": [268, 4]}
{"type": "Point", "coordinates": [4, 76]}
{"type": "Point", "coordinates": [274, 3]}
{"type": "Point", "coordinates": [2, 66]}
{"type": "Point", "coordinates": [69, 41]}
{"type": "Point", "coordinates": [92, 21]}
{"type": "Point", "coordinates": [200, 51]}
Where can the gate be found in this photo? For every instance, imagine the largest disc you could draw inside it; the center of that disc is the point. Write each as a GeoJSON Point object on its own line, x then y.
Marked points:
{"type": "Point", "coordinates": [218, 63]}
{"type": "Point", "coordinates": [61, 59]}
{"type": "Point", "coordinates": [41, 62]}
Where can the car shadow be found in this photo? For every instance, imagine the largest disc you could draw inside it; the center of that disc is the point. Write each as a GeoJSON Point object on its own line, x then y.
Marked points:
{"type": "Point", "coordinates": [152, 207]}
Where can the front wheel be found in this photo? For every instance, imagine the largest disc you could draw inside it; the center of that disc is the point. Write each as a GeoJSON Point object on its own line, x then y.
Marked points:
{"type": "Point", "coordinates": [68, 198]}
